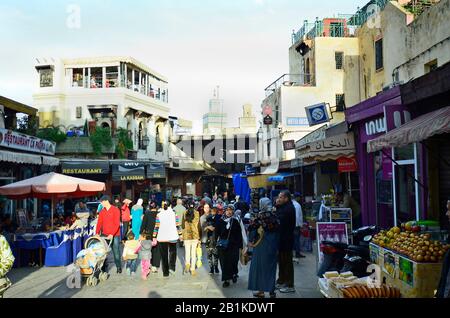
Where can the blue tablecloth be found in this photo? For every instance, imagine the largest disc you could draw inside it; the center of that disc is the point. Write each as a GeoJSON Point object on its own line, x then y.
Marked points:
{"type": "Point", "coordinates": [32, 241]}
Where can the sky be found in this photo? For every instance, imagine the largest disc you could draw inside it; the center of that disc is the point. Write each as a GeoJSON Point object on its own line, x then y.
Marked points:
{"type": "Point", "coordinates": [240, 45]}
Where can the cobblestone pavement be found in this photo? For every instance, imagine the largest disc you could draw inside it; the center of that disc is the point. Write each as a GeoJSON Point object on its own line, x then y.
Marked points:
{"type": "Point", "coordinates": [51, 283]}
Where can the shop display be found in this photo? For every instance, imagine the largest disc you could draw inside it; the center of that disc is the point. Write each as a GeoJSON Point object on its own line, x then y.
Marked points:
{"type": "Point", "coordinates": [412, 244]}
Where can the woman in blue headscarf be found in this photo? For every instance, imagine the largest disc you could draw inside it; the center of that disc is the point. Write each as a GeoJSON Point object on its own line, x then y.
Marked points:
{"type": "Point", "coordinates": [264, 239]}
{"type": "Point", "coordinates": [137, 213]}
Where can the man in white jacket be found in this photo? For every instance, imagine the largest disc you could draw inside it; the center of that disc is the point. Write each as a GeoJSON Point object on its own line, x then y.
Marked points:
{"type": "Point", "coordinates": [298, 226]}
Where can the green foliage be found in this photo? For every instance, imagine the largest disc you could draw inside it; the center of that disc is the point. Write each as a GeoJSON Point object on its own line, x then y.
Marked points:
{"type": "Point", "coordinates": [100, 138]}
{"type": "Point", "coordinates": [52, 134]}
{"type": "Point", "coordinates": [27, 125]}
{"type": "Point", "coordinates": [124, 143]}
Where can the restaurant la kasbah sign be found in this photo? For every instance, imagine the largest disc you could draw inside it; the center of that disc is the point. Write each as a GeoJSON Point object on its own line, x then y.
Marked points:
{"type": "Point", "coordinates": [131, 178]}
{"type": "Point", "coordinates": [15, 140]}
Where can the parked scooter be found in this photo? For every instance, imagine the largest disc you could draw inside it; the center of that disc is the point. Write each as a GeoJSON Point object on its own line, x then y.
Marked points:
{"type": "Point", "coordinates": [341, 257]}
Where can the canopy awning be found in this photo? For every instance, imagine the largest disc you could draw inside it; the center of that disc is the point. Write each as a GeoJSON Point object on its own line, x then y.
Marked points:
{"type": "Point", "coordinates": [280, 177]}
{"type": "Point", "coordinates": [17, 157]}
{"type": "Point", "coordinates": [421, 128]}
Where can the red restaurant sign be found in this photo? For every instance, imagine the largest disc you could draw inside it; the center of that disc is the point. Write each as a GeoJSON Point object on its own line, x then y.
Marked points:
{"type": "Point", "coordinates": [347, 164]}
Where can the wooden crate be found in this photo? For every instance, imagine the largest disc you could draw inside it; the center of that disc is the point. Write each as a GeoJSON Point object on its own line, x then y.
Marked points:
{"type": "Point", "coordinates": [415, 280]}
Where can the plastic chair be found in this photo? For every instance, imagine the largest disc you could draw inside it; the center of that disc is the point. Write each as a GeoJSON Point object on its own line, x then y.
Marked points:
{"type": "Point", "coordinates": [60, 255]}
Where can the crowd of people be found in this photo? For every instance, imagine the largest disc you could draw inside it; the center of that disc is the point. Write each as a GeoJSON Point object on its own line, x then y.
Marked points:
{"type": "Point", "coordinates": [149, 235]}
{"type": "Point", "coordinates": [229, 232]}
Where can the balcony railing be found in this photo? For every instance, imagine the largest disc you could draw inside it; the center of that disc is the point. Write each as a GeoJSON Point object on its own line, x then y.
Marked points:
{"type": "Point", "coordinates": [363, 14]}
{"type": "Point", "coordinates": [310, 30]}
{"type": "Point", "coordinates": [291, 80]}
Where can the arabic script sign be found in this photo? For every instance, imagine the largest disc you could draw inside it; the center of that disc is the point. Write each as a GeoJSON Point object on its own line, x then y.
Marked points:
{"type": "Point", "coordinates": [344, 142]}
{"type": "Point", "coordinates": [12, 139]}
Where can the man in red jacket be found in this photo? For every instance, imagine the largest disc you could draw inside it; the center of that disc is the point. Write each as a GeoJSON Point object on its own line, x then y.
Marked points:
{"type": "Point", "coordinates": [108, 225]}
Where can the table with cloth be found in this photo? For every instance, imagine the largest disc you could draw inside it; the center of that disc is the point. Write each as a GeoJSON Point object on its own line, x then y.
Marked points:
{"type": "Point", "coordinates": [62, 242]}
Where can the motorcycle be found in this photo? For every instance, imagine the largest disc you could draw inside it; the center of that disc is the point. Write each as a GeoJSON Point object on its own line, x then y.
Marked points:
{"type": "Point", "coordinates": [342, 257]}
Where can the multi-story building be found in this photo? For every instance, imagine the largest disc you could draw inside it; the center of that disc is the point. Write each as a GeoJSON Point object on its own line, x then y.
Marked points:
{"type": "Point", "coordinates": [322, 53]}
{"type": "Point", "coordinates": [114, 92]}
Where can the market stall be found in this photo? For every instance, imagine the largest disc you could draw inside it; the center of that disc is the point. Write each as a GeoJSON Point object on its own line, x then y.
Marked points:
{"type": "Point", "coordinates": [410, 258]}
{"type": "Point", "coordinates": [51, 186]}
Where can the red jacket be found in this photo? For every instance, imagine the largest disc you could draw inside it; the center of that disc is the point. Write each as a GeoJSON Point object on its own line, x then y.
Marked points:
{"type": "Point", "coordinates": [109, 222]}
{"type": "Point", "coordinates": [126, 216]}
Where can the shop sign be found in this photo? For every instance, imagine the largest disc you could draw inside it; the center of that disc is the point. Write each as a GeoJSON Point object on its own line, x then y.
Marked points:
{"type": "Point", "coordinates": [128, 171]}
{"type": "Point", "coordinates": [288, 145]}
{"type": "Point", "coordinates": [317, 114]}
{"type": "Point", "coordinates": [333, 145]}
{"type": "Point", "coordinates": [347, 164]}
{"type": "Point", "coordinates": [316, 135]}
{"type": "Point", "coordinates": [156, 170]}
{"type": "Point", "coordinates": [375, 127]}
{"type": "Point", "coordinates": [14, 140]}
{"type": "Point", "coordinates": [332, 232]}
{"type": "Point", "coordinates": [79, 167]}
{"type": "Point", "coordinates": [396, 116]}
{"type": "Point", "coordinates": [268, 120]}
{"type": "Point", "coordinates": [250, 170]}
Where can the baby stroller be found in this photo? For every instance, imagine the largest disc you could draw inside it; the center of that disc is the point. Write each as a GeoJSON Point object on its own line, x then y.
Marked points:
{"type": "Point", "coordinates": [90, 261]}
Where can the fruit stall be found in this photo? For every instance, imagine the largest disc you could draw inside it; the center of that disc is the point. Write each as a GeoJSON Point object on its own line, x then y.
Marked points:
{"type": "Point", "coordinates": [410, 258]}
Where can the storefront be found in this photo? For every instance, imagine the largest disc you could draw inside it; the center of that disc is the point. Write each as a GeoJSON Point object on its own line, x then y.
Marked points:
{"type": "Point", "coordinates": [367, 120]}
{"type": "Point", "coordinates": [132, 179]}
{"type": "Point", "coordinates": [401, 142]}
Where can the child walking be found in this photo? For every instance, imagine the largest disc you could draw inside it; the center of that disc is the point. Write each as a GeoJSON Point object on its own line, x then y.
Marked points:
{"type": "Point", "coordinates": [130, 254]}
{"type": "Point", "coordinates": [145, 255]}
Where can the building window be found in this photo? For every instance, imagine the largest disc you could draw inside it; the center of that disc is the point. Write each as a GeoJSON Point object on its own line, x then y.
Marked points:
{"type": "Point", "coordinates": [78, 112]}
{"type": "Point", "coordinates": [339, 57]}
{"type": "Point", "coordinates": [112, 76]}
{"type": "Point", "coordinates": [379, 54]}
{"type": "Point", "coordinates": [96, 77]}
{"type": "Point", "coordinates": [129, 78]}
{"type": "Point", "coordinates": [136, 81]}
{"type": "Point", "coordinates": [77, 77]}
{"type": "Point", "coordinates": [46, 77]}
{"type": "Point", "coordinates": [340, 102]}
{"type": "Point", "coordinates": [431, 66]}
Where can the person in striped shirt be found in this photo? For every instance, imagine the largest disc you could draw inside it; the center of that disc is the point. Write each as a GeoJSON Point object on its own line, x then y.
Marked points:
{"type": "Point", "coordinates": [166, 234]}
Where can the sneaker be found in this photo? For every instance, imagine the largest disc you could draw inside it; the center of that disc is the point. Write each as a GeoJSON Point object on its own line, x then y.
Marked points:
{"type": "Point", "coordinates": [171, 272]}
{"type": "Point", "coordinates": [235, 277]}
{"type": "Point", "coordinates": [287, 290]}
{"type": "Point", "coordinates": [187, 268]}
{"type": "Point", "coordinates": [119, 271]}
{"type": "Point", "coordinates": [128, 271]}
{"type": "Point", "coordinates": [211, 271]}
{"type": "Point", "coordinates": [273, 295]}
{"type": "Point", "coordinates": [154, 270]}
{"type": "Point", "coordinates": [296, 260]}
{"type": "Point", "coordinates": [279, 286]}
{"type": "Point", "coordinates": [226, 284]}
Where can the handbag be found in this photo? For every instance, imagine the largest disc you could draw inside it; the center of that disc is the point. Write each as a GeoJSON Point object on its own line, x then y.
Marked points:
{"type": "Point", "coordinates": [223, 243]}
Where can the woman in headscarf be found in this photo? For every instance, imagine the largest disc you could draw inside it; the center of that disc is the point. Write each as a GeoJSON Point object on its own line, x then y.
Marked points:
{"type": "Point", "coordinates": [264, 239]}
{"type": "Point", "coordinates": [147, 228]}
{"type": "Point", "coordinates": [137, 212]}
{"type": "Point", "coordinates": [229, 241]}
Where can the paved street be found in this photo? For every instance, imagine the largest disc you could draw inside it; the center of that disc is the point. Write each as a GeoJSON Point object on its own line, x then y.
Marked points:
{"type": "Point", "coordinates": [51, 283]}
